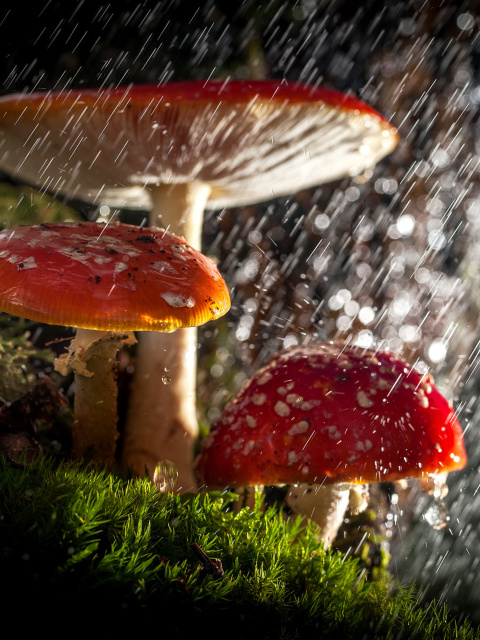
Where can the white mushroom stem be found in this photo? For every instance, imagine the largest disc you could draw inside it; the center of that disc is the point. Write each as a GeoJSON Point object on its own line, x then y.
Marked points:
{"type": "Point", "coordinates": [162, 419]}
{"type": "Point", "coordinates": [325, 504]}
{"type": "Point", "coordinates": [179, 208]}
{"type": "Point", "coordinates": [92, 357]}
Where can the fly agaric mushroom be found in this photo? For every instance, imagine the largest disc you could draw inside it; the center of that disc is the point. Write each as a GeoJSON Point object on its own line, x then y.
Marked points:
{"type": "Point", "coordinates": [328, 418]}
{"type": "Point", "coordinates": [175, 149]}
{"type": "Point", "coordinates": [106, 280]}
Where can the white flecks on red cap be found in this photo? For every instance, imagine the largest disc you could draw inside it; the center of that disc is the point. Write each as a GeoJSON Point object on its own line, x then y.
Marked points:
{"type": "Point", "coordinates": [355, 416]}
{"type": "Point", "coordinates": [107, 277]}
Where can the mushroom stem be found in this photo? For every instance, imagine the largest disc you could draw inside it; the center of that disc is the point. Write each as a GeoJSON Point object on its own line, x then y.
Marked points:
{"type": "Point", "coordinates": [179, 208]}
{"type": "Point", "coordinates": [325, 504]}
{"type": "Point", "coordinates": [162, 419]}
{"type": "Point", "coordinates": [92, 357]}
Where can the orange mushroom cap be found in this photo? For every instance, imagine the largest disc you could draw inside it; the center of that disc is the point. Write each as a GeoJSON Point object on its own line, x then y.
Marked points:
{"type": "Point", "coordinates": [248, 140]}
{"type": "Point", "coordinates": [328, 412]}
{"type": "Point", "coordinates": [108, 277]}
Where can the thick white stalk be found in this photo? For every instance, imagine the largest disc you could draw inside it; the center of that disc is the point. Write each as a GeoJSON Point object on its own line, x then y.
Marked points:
{"type": "Point", "coordinates": [179, 208]}
{"type": "Point", "coordinates": [324, 504]}
{"type": "Point", "coordinates": [162, 421]}
{"type": "Point", "coordinates": [92, 357]}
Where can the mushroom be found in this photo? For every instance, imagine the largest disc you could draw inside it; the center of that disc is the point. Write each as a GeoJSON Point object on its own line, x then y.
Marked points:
{"type": "Point", "coordinates": [175, 149]}
{"type": "Point", "coordinates": [106, 280]}
{"type": "Point", "coordinates": [328, 418]}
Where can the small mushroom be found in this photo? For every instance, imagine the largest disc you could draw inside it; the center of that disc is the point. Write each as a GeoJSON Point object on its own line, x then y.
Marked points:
{"type": "Point", "coordinates": [106, 280]}
{"type": "Point", "coordinates": [328, 419]}
{"type": "Point", "coordinates": [175, 149]}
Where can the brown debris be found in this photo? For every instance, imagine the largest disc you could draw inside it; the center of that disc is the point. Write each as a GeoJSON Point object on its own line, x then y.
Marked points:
{"type": "Point", "coordinates": [17, 418]}
{"type": "Point", "coordinates": [211, 566]}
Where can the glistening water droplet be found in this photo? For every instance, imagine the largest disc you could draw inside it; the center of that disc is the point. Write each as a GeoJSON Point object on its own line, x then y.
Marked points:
{"type": "Point", "coordinates": [435, 484]}
{"type": "Point", "coordinates": [166, 379]}
{"type": "Point", "coordinates": [437, 515]}
{"type": "Point", "coordinates": [165, 476]}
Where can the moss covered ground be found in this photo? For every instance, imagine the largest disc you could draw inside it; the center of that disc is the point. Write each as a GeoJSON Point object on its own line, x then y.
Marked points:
{"type": "Point", "coordinates": [101, 550]}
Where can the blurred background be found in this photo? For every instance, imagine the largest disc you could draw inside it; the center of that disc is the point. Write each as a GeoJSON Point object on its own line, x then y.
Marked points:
{"type": "Point", "coordinates": [389, 259]}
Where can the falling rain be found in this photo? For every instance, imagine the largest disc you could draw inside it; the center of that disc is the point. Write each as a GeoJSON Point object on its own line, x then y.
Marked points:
{"type": "Point", "coordinates": [386, 259]}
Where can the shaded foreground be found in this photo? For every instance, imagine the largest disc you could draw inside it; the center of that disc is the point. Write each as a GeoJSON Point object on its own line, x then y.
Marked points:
{"type": "Point", "coordinates": [78, 541]}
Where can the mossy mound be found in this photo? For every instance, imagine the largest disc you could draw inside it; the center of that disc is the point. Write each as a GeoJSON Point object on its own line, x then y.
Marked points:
{"type": "Point", "coordinates": [101, 550]}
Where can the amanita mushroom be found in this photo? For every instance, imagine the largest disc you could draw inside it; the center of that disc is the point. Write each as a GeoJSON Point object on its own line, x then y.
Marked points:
{"type": "Point", "coordinates": [175, 149]}
{"type": "Point", "coordinates": [327, 418]}
{"type": "Point", "coordinates": [106, 280]}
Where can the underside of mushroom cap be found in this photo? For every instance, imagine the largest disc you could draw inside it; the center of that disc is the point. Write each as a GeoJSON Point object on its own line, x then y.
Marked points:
{"type": "Point", "coordinates": [332, 413]}
{"type": "Point", "coordinates": [108, 277]}
{"type": "Point", "coordinates": [249, 141]}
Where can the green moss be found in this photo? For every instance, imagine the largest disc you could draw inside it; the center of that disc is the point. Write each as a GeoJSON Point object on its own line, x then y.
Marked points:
{"type": "Point", "coordinates": [20, 362]}
{"type": "Point", "coordinates": [24, 205]}
{"type": "Point", "coordinates": [80, 541]}
{"type": "Point", "coordinates": [362, 536]}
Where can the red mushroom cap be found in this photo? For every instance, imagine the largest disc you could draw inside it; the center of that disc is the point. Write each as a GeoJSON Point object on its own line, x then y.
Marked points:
{"type": "Point", "coordinates": [108, 277]}
{"type": "Point", "coordinates": [249, 141]}
{"type": "Point", "coordinates": [332, 413]}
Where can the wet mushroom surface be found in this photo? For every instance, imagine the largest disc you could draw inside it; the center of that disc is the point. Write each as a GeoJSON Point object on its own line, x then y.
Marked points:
{"type": "Point", "coordinates": [107, 277]}
{"type": "Point", "coordinates": [107, 281]}
{"type": "Point", "coordinates": [326, 418]}
{"type": "Point", "coordinates": [176, 149]}
{"type": "Point", "coordinates": [247, 140]}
